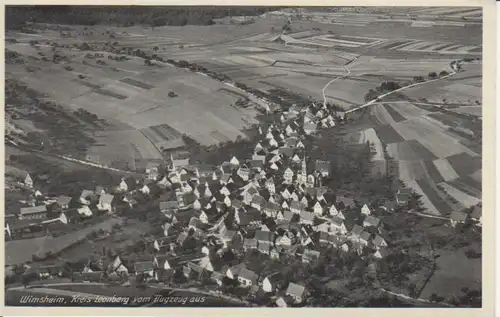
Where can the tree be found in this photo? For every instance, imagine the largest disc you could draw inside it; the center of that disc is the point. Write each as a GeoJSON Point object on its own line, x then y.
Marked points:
{"type": "Point", "coordinates": [432, 75]}
{"type": "Point", "coordinates": [443, 73]}
{"type": "Point", "coordinates": [27, 278]}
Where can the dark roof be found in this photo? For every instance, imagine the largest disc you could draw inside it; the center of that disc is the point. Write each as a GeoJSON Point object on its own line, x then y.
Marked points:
{"type": "Point", "coordinates": [458, 216]}
{"type": "Point", "coordinates": [264, 236]}
{"type": "Point", "coordinates": [372, 221]}
{"type": "Point", "coordinates": [258, 200]}
{"type": "Point", "coordinates": [365, 235]}
{"type": "Point", "coordinates": [477, 212]}
{"type": "Point", "coordinates": [248, 275]}
{"type": "Point", "coordinates": [143, 266]}
{"type": "Point", "coordinates": [378, 240]}
{"type": "Point", "coordinates": [323, 166]}
{"type": "Point", "coordinates": [295, 290]}
{"type": "Point", "coordinates": [356, 230]}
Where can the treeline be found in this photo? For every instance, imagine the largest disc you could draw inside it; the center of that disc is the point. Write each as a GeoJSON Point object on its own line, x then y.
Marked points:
{"type": "Point", "coordinates": [17, 16]}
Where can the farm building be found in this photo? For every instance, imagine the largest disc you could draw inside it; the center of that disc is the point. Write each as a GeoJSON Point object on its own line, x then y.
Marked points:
{"type": "Point", "coordinates": [296, 291]}
{"type": "Point", "coordinates": [21, 176]}
{"type": "Point", "coordinates": [457, 217]}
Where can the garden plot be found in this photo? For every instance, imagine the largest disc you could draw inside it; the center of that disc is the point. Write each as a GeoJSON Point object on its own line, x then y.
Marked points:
{"type": "Point", "coordinates": [396, 116]}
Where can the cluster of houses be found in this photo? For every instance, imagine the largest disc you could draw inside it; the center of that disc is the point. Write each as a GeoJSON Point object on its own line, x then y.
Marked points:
{"type": "Point", "coordinates": [271, 203]}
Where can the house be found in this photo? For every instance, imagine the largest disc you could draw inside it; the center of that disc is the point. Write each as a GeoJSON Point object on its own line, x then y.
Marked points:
{"type": "Point", "coordinates": [371, 221]}
{"type": "Point", "coordinates": [285, 205]}
{"type": "Point", "coordinates": [323, 167]}
{"type": "Point", "coordinates": [477, 214]}
{"type": "Point", "coordinates": [310, 181]}
{"type": "Point", "coordinates": [259, 157]}
{"type": "Point", "coordinates": [258, 202]}
{"type": "Point", "coordinates": [127, 184]}
{"type": "Point", "coordinates": [271, 209]}
{"type": "Point", "coordinates": [306, 217]}
{"type": "Point", "coordinates": [310, 128]}
{"type": "Point", "coordinates": [356, 231]}
{"type": "Point", "coordinates": [144, 267]}
{"type": "Point", "coordinates": [244, 173]}
{"type": "Point", "coordinates": [264, 248]}
{"type": "Point", "coordinates": [234, 161]}
{"type": "Point", "coordinates": [250, 218]}
{"type": "Point", "coordinates": [281, 302]}
{"type": "Point", "coordinates": [379, 242]}
{"type": "Point", "coordinates": [195, 223]}
{"type": "Point", "coordinates": [274, 254]}
{"type": "Point", "coordinates": [247, 278]}
{"type": "Point", "coordinates": [63, 202]}
{"type": "Point", "coordinates": [457, 217]}
{"type": "Point", "coordinates": [264, 237]}
{"type": "Point", "coordinates": [208, 215]}
{"type": "Point", "coordinates": [310, 256]}
{"type": "Point", "coordinates": [35, 212]}
{"type": "Point", "coordinates": [337, 225]}
{"type": "Point", "coordinates": [345, 202]}
{"type": "Point", "coordinates": [21, 176]}
{"type": "Point", "coordinates": [105, 202]}
{"type": "Point", "coordinates": [85, 212]}
{"type": "Point", "coordinates": [248, 194]}
{"type": "Point", "coordinates": [86, 196]}
{"type": "Point", "coordinates": [288, 176]}
{"type": "Point", "coordinates": [297, 292]}
{"type": "Point", "coordinates": [249, 244]}
{"type": "Point", "coordinates": [88, 277]}
{"type": "Point", "coordinates": [365, 210]}
{"type": "Point", "coordinates": [297, 207]}
{"type": "Point", "coordinates": [403, 196]}
{"type": "Point", "coordinates": [153, 170]}
{"type": "Point", "coordinates": [285, 216]}
{"type": "Point", "coordinates": [364, 238]}
{"type": "Point", "coordinates": [273, 282]}
{"type": "Point", "coordinates": [169, 207]}
{"type": "Point", "coordinates": [99, 190]}
{"type": "Point", "coordinates": [381, 253]}
{"type": "Point", "coordinates": [217, 277]}
{"type": "Point", "coordinates": [319, 207]}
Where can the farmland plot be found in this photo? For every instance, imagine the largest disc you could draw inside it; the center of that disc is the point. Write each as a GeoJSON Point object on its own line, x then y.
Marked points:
{"type": "Point", "coordinates": [445, 169]}
{"type": "Point", "coordinates": [430, 136]}
{"type": "Point", "coordinates": [460, 196]}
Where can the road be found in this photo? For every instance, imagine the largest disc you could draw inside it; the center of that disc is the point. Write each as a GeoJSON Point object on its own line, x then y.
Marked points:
{"type": "Point", "coordinates": [373, 101]}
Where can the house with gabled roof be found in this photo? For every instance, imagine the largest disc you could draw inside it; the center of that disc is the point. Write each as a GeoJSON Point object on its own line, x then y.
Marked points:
{"type": "Point", "coordinates": [381, 253]}
{"type": "Point", "coordinates": [371, 221]}
{"type": "Point", "coordinates": [247, 278]}
{"type": "Point", "coordinates": [35, 212]}
{"type": "Point", "coordinates": [273, 282]}
{"type": "Point", "coordinates": [323, 167]}
{"type": "Point", "coordinates": [310, 256]}
{"type": "Point", "coordinates": [379, 242]}
{"type": "Point", "coordinates": [403, 196]}
{"type": "Point", "coordinates": [248, 194]}
{"type": "Point", "coordinates": [319, 207]}
{"type": "Point", "coordinates": [271, 209]}
{"type": "Point", "coordinates": [264, 237]}
{"type": "Point", "coordinates": [86, 196]}
{"type": "Point", "coordinates": [365, 210]}
{"type": "Point", "coordinates": [250, 244]}
{"type": "Point", "coordinates": [297, 292]}
{"type": "Point", "coordinates": [105, 202]}
{"type": "Point", "coordinates": [356, 231]}
{"type": "Point", "coordinates": [345, 202]}
{"type": "Point", "coordinates": [306, 217]}
{"type": "Point", "coordinates": [364, 238]}
{"type": "Point", "coordinates": [297, 207]}
{"type": "Point", "coordinates": [63, 202]}
{"type": "Point", "coordinates": [258, 202]}
{"type": "Point", "coordinates": [477, 214]}
{"type": "Point", "coordinates": [337, 225]}
{"type": "Point", "coordinates": [285, 205]}
{"type": "Point", "coordinates": [285, 215]}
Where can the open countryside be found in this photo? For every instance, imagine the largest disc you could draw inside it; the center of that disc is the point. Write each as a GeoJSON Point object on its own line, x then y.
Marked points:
{"type": "Point", "coordinates": [258, 157]}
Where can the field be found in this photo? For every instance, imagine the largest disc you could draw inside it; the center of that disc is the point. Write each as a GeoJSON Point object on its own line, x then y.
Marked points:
{"type": "Point", "coordinates": [338, 56]}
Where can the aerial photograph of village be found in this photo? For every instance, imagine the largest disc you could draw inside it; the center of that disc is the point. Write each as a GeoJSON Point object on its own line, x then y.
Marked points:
{"type": "Point", "coordinates": [215, 156]}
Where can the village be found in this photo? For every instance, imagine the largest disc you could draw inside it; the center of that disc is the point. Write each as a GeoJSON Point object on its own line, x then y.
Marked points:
{"type": "Point", "coordinates": [269, 204]}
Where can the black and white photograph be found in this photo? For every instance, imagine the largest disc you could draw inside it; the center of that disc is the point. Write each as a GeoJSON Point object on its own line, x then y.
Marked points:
{"type": "Point", "coordinates": [243, 156]}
